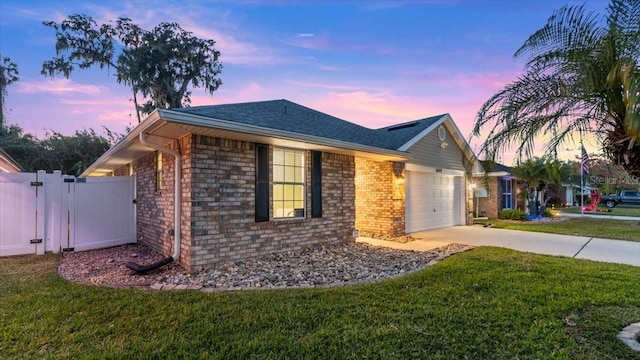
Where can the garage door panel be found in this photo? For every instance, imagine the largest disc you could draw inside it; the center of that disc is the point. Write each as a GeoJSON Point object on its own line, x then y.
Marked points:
{"type": "Point", "coordinates": [429, 202]}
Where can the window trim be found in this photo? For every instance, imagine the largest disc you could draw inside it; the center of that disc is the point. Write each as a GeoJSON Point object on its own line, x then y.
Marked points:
{"type": "Point", "coordinates": [303, 183]}
{"type": "Point", "coordinates": [158, 164]}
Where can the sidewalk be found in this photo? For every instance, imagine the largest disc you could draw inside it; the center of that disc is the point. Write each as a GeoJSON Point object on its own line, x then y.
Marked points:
{"type": "Point", "coordinates": [603, 216]}
{"type": "Point", "coordinates": [579, 247]}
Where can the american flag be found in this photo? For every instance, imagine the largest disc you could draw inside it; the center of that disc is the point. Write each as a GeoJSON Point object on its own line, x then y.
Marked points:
{"type": "Point", "coordinates": [585, 161]}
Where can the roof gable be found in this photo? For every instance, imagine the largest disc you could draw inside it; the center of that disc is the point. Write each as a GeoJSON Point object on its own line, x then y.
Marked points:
{"type": "Point", "coordinates": [395, 136]}
{"type": "Point", "coordinates": [431, 124]}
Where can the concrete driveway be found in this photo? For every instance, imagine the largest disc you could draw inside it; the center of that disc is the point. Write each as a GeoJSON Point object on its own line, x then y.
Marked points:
{"type": "Point", "coordinates": [579, 247]}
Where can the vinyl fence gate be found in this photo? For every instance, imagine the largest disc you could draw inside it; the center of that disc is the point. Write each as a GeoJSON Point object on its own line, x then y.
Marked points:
{"type": "Point", "coordinates": [42, 212]}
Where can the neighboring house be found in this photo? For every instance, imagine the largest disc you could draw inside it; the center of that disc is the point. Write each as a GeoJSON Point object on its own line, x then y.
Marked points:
{"type": "Point", "coordinates": [570, 194]}
{"type": "Point", "coordinates": [496, 190]}
{"type": "Point", "coordinates": [271, 176]}
{"type": "Point", "coordinates": [7, 164]}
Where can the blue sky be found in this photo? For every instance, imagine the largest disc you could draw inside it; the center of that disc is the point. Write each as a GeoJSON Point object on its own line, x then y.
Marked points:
{"type": "Point", "coordinates": [372, 63]}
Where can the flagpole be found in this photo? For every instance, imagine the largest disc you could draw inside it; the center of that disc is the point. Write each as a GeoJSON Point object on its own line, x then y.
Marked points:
{"type": "Point", "coordinates": [581, 177]}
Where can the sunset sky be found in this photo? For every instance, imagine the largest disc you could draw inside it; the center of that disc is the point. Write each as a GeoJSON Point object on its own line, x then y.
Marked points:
{"type": "Point", "coordinates": [374, 63]}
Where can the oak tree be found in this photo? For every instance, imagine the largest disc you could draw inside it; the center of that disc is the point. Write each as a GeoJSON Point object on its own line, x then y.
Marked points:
{"type": "Point", "coordinates": [161, 64]}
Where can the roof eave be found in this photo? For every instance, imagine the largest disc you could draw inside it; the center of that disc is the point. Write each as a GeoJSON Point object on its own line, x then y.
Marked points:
{"type": "Point", "coordinates": [132, 136]}
{"type": "Point", "coordinates": [492, 173]}
{"type": "Point", "coordinates": [187, 122]}
{"type": "Point", "coordinates": [10, 161]}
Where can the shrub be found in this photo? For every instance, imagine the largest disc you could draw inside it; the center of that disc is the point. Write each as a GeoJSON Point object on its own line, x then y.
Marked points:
{"type": "Point", "coordinates": [512, 214]}
{"type": "Point", "coordinates": [547, 212]}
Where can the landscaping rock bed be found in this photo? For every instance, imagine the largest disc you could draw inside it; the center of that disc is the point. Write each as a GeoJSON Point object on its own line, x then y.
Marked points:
{"type": "Point", "coordinates": [317, 266]}
{"type": "Point", "coordinates": [107, 266]}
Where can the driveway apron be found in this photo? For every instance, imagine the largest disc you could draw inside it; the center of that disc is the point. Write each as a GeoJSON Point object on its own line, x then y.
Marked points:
{"type": "Point", "coordinates": [582, 247]}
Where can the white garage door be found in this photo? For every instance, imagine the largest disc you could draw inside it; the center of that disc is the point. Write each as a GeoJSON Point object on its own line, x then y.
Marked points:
{"type": "Point", "coordinates": [431, 201]}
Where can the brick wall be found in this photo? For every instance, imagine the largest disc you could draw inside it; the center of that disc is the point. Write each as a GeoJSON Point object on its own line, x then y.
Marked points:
{"type": "Point", "coordinates": [155, 208]}
{"type": "Point", "coordinates": [489, 206]}
{"type": "Point", "coordinates": [222, 196]}
{"type": "Point", "coordinates": [469, 203]}
{"type": "Point", "coordinates": [123, 171]}
{"type": "Point", "coordinates": [380, 201]}
{"type": "Point", "coordinates": [218, 202]}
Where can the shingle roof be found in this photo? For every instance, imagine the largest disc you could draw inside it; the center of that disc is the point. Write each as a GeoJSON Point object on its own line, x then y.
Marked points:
{"type": "Point", "coordinates": [492, 166]}
{"type": "Point", "coordinates": [399, 134]}
{"type": "Point", "coordinates": [288, 116]}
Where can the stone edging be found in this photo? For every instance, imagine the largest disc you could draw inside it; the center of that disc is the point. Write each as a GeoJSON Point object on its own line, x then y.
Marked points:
{"type": "Point", "coordinates": [629, 336]}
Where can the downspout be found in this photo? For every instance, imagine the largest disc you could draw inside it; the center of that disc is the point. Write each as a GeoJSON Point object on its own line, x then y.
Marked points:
{"type": "Point", "coordinates": [177, 200]}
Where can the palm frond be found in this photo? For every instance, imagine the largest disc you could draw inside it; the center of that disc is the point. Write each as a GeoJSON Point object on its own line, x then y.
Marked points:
{"type": "Point", "coordinates": [582, 75]}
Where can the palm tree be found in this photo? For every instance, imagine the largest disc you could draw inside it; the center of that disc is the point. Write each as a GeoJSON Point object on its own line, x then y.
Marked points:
{"type": "Point", "coordinates": [582, 76]}
{"type": "Point", "coordinates": [541, 176]}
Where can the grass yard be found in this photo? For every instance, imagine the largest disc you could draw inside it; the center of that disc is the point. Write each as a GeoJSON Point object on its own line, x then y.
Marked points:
{"type": "Point", "coordinates": [620, 210]}
{"type": "Point", "coordinates": [601, 228]}
{"type": "Point", "coordinates": [484, 303]}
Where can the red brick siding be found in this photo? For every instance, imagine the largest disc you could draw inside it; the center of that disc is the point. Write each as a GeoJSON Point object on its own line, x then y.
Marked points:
{"type": "Point", "coordinates": [154, 209]}
{"type": "Point", "coordinates": [123, 171]}
{"type": "Point", "coordinates": [223, 223]}
{"type": "Point", "coordinates": [380, 201]}
{"type": "Point", "coordinates": [489, 206]}
{"type": "Point", "coordinates": [469, 203]}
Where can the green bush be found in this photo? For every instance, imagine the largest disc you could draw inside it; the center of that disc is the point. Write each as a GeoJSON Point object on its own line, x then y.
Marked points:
{"type": "Point", "coordinates": [547, 212]}
{"type": "Point", "coordinates": [512, 214]}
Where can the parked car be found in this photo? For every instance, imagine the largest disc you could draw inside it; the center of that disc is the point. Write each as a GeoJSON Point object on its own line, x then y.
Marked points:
{"type": "Point", "coordinates": [626, 197]}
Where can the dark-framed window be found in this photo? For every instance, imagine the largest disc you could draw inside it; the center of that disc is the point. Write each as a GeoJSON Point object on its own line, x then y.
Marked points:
{"type": "Point", "coordinates": [507, 194]}
{"type": "Point", "coordinates": [285, 193]}
{"type": "Point", "coordinates": [289, 185]}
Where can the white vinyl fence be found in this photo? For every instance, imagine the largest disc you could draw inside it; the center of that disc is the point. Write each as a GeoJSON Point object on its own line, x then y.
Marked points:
{"type": "Point", "coordinates": [50, 212]}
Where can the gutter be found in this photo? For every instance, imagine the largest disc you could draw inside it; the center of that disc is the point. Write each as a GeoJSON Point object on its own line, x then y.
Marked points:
{"type": "Point", "coordinates": [177, 209]}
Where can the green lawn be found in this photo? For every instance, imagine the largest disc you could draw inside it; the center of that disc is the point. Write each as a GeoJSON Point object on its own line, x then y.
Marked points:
{"type": "Point", "coordinates": [620, 210]}
{"type": "Point", "coordinates": [484, 303]}
{"type": "Point", "coordinates": [601, 228]}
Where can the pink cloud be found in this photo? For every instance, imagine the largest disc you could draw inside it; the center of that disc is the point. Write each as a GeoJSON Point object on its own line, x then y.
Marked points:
{"type": "Point", "coordinates": [323, 85]}
{"type": "Point", "coordinates": [118, 117]}
{"type": "Point", "coordinates": [315, 42]}
{"type": "Point", "coordinates": [330, 43]}
{"type": "Point", "coordinates": [251, 91]}
{"type": "Point", "coordinates": [239, 52]}
{"type": "Point", "coordinates": [100, 102]}
{"type": "Point", "coordinates": [58, 86]}
{"type": "Point", "coordinates": [228, 36]}
{"type": "Point", "coordinates": [441, 78]}
{"type": "Point", "coordinates": [374, 110]}
{"type": "Point", "coordinates": [332, 68]}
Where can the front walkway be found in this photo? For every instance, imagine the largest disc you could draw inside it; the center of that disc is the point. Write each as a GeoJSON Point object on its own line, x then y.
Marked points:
{"type": "Point", "coordinates": [579, 247]}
